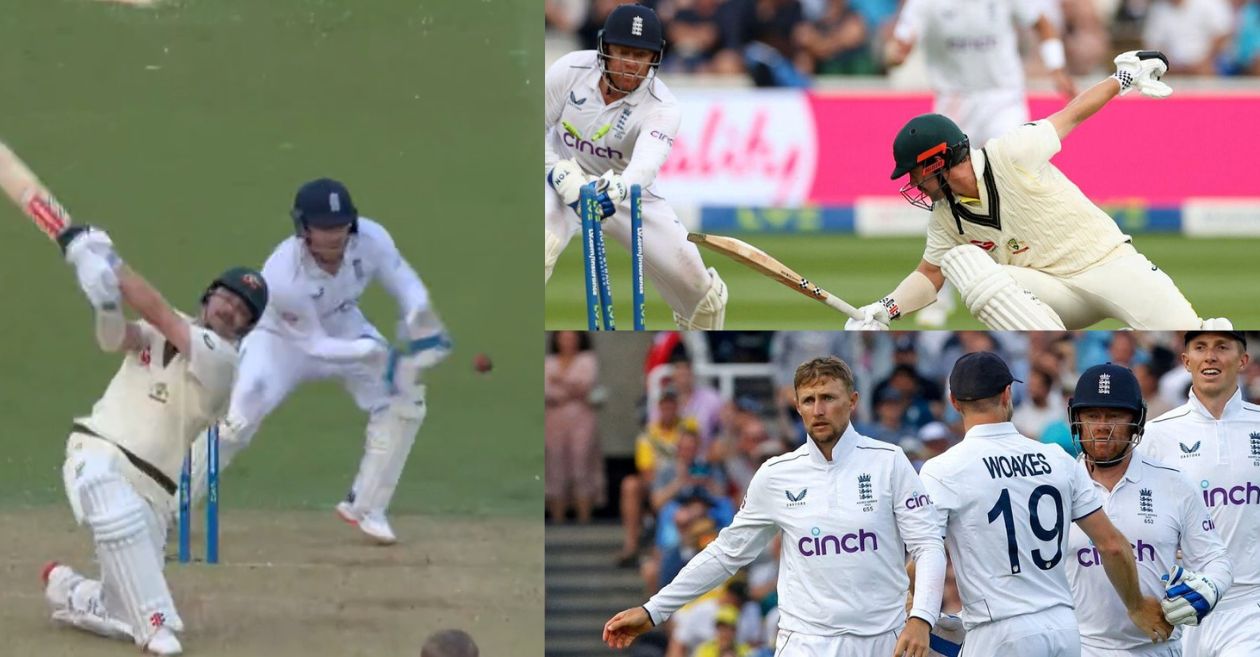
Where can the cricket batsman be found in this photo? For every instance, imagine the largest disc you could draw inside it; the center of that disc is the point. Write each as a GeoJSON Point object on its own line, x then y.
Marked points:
{"type": "Point", "coordinates": [976, 73]}
{"type": "Point", "coordinates": [1214, 438]}
{"type": "Point", "coordinates": [1022, 244]}
{"type": "Point", "coordinates": [314, 329]}
{"type": "Point", "coordinates": [122, 459]}
{"type": "Point", "coordinates": [611, 121]}
{"type": "Point", "coordinates": [849, 508]}
{"type": "Point", "coordinates": [1155, 507]}
{"type": "Point", "coordinates": [1007, 502]}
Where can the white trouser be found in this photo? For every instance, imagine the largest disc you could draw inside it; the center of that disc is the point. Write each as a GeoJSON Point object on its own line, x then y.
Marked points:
{"type": "Point", "coordinates": [1232, 631]}
{"type": "Point", "coordinates": [1050, 633]}
{"type": "Point", "coordinates": [1166, 649]}
{"type": "Point", "coordinates": [983, 115]}
{"type": "Point", "coordinates": [130, 538]}
{"type": "Point", "coordinates": [670, 262]}
{"type": "Point", "coordinates": [796, 644]}
{"type": "Point", "coordinates": [1128, 288]}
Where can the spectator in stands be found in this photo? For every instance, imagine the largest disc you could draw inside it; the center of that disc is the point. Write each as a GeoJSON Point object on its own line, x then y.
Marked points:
{"type": "Point", "coordinates": [936, 438]}
{"type": "Point", "coordinates": [573, 464]}
{"type": "Point", "coordinates": [699, 402]}
{"type": "Point", "coordinates": [698, 32]}
{"type": "Point", "coordinates": [655, 446]}
{"type": "Point", "coordinates": [923, 397]}
{"type": "Point", "coordinates": [835, 43]}
{"type": "Point", "coordinates": [1245, 58]}
{"type": "Point", "coordinates": [1123, 350]}
{"type": "Point", "coordinates": [1042, 406]}
{"type": "Point", "coordinates": [889, 425]}
{"type": "Point", "coordinates": [743, 459]}
{"type": "Point", "coordinates": [1193, 34]}
{"type": "Point", "coordinates": [686, 473]}
{"type": "Point", "coordinates": [1149, 381]}
{"type": "Point", "coordinates": [725, 645]}
{"type": "Point", "coordinates": [564, 15]}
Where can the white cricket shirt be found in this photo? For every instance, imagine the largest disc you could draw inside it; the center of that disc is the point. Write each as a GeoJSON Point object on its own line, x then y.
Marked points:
{"type": "Point", "coordinates": [847, 524]}
{"type": "Point", "coordinates": [1221, 459]}
{"type": "Point", "coordinates": [1157, 510]}
{"type": "Point", "coordinates": [319, 311]}
{"type": "Point", "coordinates": [160, 400]}
{"type": "Point", "coordinates": [1028, 213]}
{"type": "Point", "coordinates": [631, 136]}
{"type": "Point", "coordinates": [1007, 502]}
{"type": "Point", "coordinates": [969, 45]}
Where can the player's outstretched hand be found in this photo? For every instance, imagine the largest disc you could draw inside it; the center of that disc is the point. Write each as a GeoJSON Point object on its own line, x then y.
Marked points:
{"type": "Point", "coordinates": [913, 642]}
{"type": "Point", "coordinates": [1148, 616]}
{"type": "Point", "coordinates": [621, 630]}
{"type": "Point", "coordinates": [1142, 70]}
{"type": "Point", "coordinates": [610, 190]}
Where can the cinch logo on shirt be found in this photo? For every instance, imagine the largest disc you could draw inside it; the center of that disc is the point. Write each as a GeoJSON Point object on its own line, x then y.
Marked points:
{"type": "Point", "coordinates": [918, 501]}
{"type": "Point", "coordinates": [1088, 556]}
{"type": "Point", "coordinates": [1246, 493]}
{"type": "Point", "coordinates": [584, 146]}
{"type": "Point", "coordinates": [821, 546]}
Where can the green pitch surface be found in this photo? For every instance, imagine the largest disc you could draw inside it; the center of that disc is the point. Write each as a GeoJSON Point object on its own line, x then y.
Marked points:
{"type": "Point", "coordinates": [1210, 272]}
{"type": "Point", "coordinates": [185, 130]}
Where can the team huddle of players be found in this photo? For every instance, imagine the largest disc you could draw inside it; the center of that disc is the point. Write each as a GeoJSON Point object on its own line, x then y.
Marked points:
{"type": "Point", "coordinates": [1144, 545]}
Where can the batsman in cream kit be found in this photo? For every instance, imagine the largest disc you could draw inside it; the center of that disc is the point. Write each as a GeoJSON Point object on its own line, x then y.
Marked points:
{"type": "Point", "coordinates": [611, 122]}
{"type": "Point", "coordinates": [123, 458]}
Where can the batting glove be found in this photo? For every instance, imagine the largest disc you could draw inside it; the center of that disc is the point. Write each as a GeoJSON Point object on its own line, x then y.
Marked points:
{"type": "Point", "coordinates": [1189, 596]}
{"type": "Point", "coordinates": [875, 317]}
{"type": "Point", "coordinates": [1142, 69]}
{"type": "Point", "coordinates": [567, 178]}
{"type": "Point", "coordinates": [78, 240]}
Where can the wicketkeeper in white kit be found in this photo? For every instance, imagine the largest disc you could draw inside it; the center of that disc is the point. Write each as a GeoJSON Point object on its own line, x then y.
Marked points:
{"type": "Point", "coordinates": [123, 459]}
{"type": "Point", "coordinates": [314, 329]}
{"type": "Point", "coordinates": [611, 121]}
{"type": "Point", "coordinates": [1025, 247]}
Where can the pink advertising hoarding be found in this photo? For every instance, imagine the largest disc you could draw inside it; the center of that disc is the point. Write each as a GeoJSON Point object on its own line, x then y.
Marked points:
{"type": "Point", "coordinates": [787, 148]}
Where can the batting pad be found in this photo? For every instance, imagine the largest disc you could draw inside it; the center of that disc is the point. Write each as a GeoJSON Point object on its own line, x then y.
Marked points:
{"type": "Point", "coordinates": [710, 313]}
{"type": "Point", "coordinates": [131, 563]}
{"type": "Point", "coordinates": [992, 295]}
{"type": "Point", "coordinates": [552, 247]}
{"type": "Point", "coordinates": [390, 436]}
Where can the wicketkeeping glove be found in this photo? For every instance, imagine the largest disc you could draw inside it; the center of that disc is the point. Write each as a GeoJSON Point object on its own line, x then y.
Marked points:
{"type": "Point", "coordinates": [1189, 596]}
{"type": "Point", "coordinates": [1142, 69]}
{"type": "Point", "coordinates": [610, 190]}
{"type": "Point", "coordinates": [567, 179]}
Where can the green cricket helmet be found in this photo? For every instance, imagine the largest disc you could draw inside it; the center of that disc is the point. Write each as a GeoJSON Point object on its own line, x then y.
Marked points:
{"type": "Point", "coordinates": [246, 283]}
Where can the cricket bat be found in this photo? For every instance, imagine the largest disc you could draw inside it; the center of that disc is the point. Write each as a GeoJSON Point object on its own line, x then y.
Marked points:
{"type": "Point", "coordinates": [743, 252]}
{"type": "Point", "coordinates": [30, 195]}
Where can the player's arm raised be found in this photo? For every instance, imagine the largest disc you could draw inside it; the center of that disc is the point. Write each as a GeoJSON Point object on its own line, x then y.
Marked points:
{"type": "Point", "coordinates": [1121, 569]}
{"type": "Point", "coordinates": [1140, 69]}
{"type": "Point", "coordinates": [905, 33]}
{"type": "Point", "coordinates": [1053, 56]}
{"type": "Point", "coordinates": [101, 275]}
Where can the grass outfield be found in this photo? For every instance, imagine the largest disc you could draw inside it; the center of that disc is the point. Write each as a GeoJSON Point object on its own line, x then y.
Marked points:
{"type": "Point", "coordinates": [1210, 272]}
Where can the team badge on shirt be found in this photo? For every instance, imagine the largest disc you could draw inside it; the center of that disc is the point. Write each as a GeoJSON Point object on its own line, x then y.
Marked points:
{"type": "Point", "coordinates": [1015, 246]}
{"type": "Point", "coordinates": [358, 269]}
{"type": "Point", "coordinates": [1255, 448]}
{"type": "Point", "coordinates": [1146, 506]}
{"type": "Point", "coordinates": [159, 393]}
{"type": "Point", "coordinates": [866, 496]}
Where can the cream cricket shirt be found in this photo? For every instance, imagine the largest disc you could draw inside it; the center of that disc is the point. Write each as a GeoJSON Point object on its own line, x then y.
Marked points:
{"type": "Point", "coordinates": [1158, 511]}
{"type": "Point", "coordinates": [161, 400]}
{"type": "Point", "coordinates": [847, 524]}
{"type": "Point", "coordinates": [1028, 214]}
{"type": "Point", "coordinates": [319, 312]}
{"type": "Point", "coordinates": [1221, 459]}
{"type": "Point", "coordinates": [632, 136]}
{"type": "Point", "coordinates": [969, 45]}
{"type": "Point", "coordinates": [1007, 501]}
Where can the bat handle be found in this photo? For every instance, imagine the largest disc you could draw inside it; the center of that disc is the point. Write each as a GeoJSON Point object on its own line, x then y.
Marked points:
{"type": "Point", "coordinates": [842, 306]}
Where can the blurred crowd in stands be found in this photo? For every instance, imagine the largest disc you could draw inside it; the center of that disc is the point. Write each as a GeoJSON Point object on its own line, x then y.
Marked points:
{"type": "Point", "coordinates": [696, 450]}
{"type": "Point", "coordinates": [846, 37]}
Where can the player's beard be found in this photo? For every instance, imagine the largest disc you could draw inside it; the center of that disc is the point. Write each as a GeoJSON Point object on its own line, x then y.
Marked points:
{"type": "Point", "coordinates": [831, 437]}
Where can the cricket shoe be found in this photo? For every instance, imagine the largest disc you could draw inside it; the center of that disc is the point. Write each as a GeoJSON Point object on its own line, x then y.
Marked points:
{"type": "Point", "coordinates": [163, 642]}
{"type": "Point", "coordinates": [57, 579]}
{"type": "Point", "coordinates": [60, 582]}
{"type": "Point", "coordinates": [373, 524]}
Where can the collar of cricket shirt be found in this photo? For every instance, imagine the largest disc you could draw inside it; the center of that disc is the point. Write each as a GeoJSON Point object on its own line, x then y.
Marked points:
{"type": "Point", "coordinates": [839, 453]}
{"type": "Point", "coordinates": [994, 430]}
{"type": "Point", "coordinates": [978, 161]}
{"type": "Point", "coordinates": [1232, 407]}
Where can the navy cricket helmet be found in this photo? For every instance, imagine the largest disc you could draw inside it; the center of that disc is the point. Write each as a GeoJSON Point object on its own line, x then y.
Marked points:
{"type": "Point", "coordinates": [1108, 386]}
{"type": "Point", "coordinates": [633, 26]}
{"type": "Point", "coordinates": [324, 203]}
